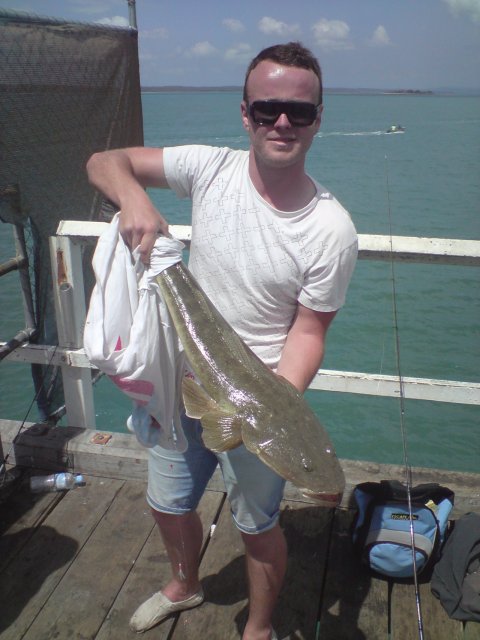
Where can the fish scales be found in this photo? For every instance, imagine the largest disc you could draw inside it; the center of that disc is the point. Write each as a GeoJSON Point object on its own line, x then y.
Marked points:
{"type": "Point", "coordinates": [240, 399]}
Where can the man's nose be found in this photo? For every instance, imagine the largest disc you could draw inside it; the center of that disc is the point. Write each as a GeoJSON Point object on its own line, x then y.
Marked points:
{"type": "Point", "coordinates": [282, 121]}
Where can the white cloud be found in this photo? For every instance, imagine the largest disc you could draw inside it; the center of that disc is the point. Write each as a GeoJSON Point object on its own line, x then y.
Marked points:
{"type": "Point", "coordinates": [469, 7]}
{"type": "Point", "coordinates": [272, 26]}
{"type": "Point", "coordinates": [332, 35]}
{"type": "Point", "coordinates": [96, 6]}
{"type": "Point", "coordinates": [159, 33]}
{"type": "Point", "coordinates": [232, 24]}
{"type": "Point", "coordinates": [240, 54]}
{"type": "Point", "coordinates": [202, 50]}
{"type": "Point", "coordinates": [380, 37]}
{"type": "Point", "coordinates": [116, 21]}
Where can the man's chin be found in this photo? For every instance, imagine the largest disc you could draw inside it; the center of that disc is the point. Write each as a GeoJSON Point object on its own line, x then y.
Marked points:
{"type": "Point", "coordinates": [281, 156]}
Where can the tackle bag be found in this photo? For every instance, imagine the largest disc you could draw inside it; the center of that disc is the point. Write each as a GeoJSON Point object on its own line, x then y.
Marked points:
{"type": "Point", "coordinates": [382, 535]}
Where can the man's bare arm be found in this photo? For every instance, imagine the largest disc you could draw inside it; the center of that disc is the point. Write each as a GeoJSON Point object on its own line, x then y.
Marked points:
{"type": "Point", "coordinates": [122, 175]}
{"type": "Point", "coordinates": [304, 348]}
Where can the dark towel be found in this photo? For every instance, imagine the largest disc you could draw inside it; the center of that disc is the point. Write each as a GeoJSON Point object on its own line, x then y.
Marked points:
{"type": "Point", "coordinates": [456, 576]}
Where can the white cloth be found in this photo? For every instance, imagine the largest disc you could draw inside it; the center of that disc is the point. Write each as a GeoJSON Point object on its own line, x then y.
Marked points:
{"type": "Point", "coordinates": [129, 335]}
{"type": "Point", "coordinates": [253, 261]}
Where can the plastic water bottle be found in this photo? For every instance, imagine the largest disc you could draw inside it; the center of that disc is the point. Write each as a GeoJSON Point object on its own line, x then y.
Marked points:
{"type": "Point", "coordinates": [56, 482]}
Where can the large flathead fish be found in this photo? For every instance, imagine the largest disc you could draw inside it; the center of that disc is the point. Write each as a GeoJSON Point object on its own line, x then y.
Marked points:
{"type": "Point", "coordinates": [241, 400]}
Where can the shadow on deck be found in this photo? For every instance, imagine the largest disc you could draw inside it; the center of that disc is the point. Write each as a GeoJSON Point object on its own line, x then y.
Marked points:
{"type": "Point", "coordinates": [76, 565]}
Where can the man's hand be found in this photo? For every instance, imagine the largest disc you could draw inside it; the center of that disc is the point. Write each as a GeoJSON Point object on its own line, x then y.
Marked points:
{"type": "Point", "coordinates": [140, 225]}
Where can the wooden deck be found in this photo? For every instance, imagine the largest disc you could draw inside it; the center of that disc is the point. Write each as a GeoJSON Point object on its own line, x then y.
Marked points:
{"type": "Point", "coordinates": [76, 565]}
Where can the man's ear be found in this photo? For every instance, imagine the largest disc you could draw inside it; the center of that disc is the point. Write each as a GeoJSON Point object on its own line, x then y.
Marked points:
{"type": "Point", "coordinates": [244, 112]}
{"type": "Point", "coordinates": [319, 117]}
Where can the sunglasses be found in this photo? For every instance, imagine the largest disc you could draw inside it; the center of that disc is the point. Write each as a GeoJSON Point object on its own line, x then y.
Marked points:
{"type": "Point", "coordinates": [299, 114]}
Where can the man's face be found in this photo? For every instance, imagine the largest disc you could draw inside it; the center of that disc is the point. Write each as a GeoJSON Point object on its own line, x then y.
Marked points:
{"type": "Point", "coordinates": [280, 144]}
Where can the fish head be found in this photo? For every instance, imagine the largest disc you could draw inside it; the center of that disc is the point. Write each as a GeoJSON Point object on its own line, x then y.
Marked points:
{"type": "Point", "coordinates": [290, 439]}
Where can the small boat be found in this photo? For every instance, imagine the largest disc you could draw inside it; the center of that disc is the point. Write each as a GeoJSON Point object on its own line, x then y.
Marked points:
{"type": "Point", "coordinates": [395, 128]}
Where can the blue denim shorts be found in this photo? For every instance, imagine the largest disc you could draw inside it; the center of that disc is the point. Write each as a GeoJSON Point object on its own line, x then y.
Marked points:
{"type": "Point", "coordinates": [177, 481]}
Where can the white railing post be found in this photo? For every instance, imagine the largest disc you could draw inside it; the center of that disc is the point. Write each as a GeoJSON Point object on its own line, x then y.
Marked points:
{"type": "Point", "coordinates": [70, 311]}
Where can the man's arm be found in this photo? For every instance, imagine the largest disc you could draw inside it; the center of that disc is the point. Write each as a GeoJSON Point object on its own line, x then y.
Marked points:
{"type": "Point", "coordinates": [304, 348]}
{"type": "Point", "coordinates": [122, 176]}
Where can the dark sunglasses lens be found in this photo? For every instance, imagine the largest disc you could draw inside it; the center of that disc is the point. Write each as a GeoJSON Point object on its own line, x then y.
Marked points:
{"type": "Point", "coordinates": [299, 114]}
{"type": "Point", "coordinates": [264, 112]}
{"type": "Point", "coordinates": [302, 114]}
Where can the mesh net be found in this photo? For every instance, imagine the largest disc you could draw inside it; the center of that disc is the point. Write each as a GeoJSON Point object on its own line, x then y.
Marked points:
{"type": "Point", "coordinates": [66, 90]}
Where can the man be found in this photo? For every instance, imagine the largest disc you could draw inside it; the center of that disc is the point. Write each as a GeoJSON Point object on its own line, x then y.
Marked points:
{"type": "Point", "coordinates": [275, 253]}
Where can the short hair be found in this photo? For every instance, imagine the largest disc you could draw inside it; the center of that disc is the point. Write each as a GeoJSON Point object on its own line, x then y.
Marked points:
{"type": "Point", "coordinates": [291, 54]}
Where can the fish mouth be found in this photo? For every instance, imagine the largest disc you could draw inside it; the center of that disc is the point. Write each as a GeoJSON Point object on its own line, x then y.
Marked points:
{"type": "Point", "coordinates": [328, 500]}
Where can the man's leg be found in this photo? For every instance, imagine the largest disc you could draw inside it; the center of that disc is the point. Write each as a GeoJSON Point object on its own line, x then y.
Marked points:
{"type": "Point", "coordinates": [176, 482]}
{"type": "Point", "coordinates": [266, 556]}
{"type": "Point", "coordinates": [255, 493]}
{"type": "Point", "coordinates": [182, 536]}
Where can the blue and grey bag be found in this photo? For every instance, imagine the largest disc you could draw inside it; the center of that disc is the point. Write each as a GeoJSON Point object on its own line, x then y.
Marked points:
{"type": "Point", "coordinates": [382, 535]}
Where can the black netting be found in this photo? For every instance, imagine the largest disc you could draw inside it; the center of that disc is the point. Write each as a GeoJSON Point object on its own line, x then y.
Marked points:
{"type": "Point", "coordinates": [66, 90]}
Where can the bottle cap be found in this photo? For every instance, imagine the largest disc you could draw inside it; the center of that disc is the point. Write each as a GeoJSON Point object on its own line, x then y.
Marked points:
{"type": "Point", "coordinates": [80, 480]}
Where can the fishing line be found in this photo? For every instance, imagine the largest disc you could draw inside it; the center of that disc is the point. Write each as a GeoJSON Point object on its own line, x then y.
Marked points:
{"type": "Point", "coordinates": [403, 428]}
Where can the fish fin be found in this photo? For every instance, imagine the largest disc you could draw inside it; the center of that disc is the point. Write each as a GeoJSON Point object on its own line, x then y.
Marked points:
{"type": "Point", "coordinates": [221, 431]}
{"type": "Point", "coordinates": [197, 401]}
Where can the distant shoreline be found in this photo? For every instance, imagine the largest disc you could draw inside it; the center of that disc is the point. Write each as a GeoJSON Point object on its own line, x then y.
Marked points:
{"type": "Point", "coordinates": [166, 88]}
{"type": "Point", "coordinates": [333, 90]}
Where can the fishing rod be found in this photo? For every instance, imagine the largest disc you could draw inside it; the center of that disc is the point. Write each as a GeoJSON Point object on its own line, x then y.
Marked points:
{"type": "Point", "coordinates": [403, 428]}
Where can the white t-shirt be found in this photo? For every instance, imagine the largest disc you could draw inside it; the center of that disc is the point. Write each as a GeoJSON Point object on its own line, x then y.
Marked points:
{"type": "Point", "coordinates": [253, 261]}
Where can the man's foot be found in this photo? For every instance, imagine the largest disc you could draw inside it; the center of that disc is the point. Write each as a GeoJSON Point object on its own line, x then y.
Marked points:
{"type": "Point", "coordinates": [158, 607]}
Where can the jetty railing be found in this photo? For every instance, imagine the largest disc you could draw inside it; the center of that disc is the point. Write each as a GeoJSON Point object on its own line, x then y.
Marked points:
{"type": "Point", "coordinates": [70, 309]}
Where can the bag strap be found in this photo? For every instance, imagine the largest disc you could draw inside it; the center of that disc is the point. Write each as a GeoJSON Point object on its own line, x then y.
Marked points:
{"type": "Point", "coordinates": [395, 490]}
{"type": "Point", "coordinates": [422, 543]}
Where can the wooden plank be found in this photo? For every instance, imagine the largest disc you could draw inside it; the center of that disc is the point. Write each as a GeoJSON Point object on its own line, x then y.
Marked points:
{"type": "Point", "coordinates": [70, 311]}
{"type": "Point", "coordinates": [436, 623]}
{"type": "Point", "coordinates": [150, 571]}
{"type": "Point", "coordinates": [47, 447]}
{"type": "Point", "coordinates": [471, 631]}
{"type": "Point", "coordinates": [123, 457]}
{"type": "Point", "coordinates": [79, 231]}
{"type": "Point", "coordinates": [224, 613]}
{"type": "Point", "coordinates": [28, 581]}
{"type": "Point", "coordinates": [50, 355]}
{"type": "Point", "coordinates": [415, 249]}
{"type": "Point", "coordinates": [430, 389]}
{"type": "Point", "coordinates": [20, 515]}
{"type": "Point", "coordinates": [373, 247]}
{"type": "Point", "coordinates": [307, 530]}
{"type": "Point", "coordinates": [466, 486]}
{"type": "Point", "coordinates": [354, 604]}
{"type": "Point", "coordinates": [81, 600]}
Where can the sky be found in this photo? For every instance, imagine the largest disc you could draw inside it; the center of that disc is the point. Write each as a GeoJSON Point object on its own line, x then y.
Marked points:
{"type": "Point", "coordinates": [377, 44]}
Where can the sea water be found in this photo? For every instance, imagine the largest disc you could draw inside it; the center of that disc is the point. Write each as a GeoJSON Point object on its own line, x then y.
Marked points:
{"type": "Point", "coordinates": [424, 182]}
